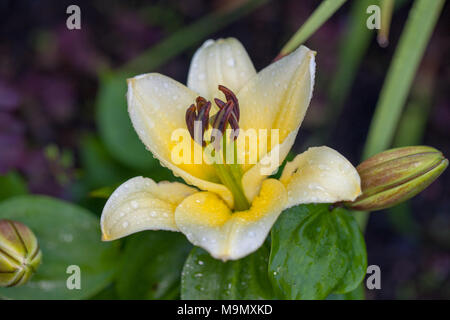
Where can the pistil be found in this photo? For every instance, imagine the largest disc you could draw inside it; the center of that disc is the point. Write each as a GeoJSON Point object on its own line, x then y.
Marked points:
{"type": "Point", "coordinates": [230, 174]}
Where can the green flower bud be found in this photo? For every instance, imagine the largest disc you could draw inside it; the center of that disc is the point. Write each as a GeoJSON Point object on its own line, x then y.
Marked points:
{"type": "Point", "coordinates": [395, 175]}
{"type": "Point", "coordinates": [19, 253]}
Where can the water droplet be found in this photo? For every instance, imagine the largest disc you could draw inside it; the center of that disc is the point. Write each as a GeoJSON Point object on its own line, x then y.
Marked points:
{"type": "Point", "coordinates": [198, 275]}
{"type": "Point", "coordinates": [134, 204]}
{"type": "Point", "coordinates": [231, 62]}
{"type": "Point", "coordinates": [67, 237]}
{"type": "Point", "coordinates": [125, 224]}
{"type": "Point", "coordinates": [200, 262]}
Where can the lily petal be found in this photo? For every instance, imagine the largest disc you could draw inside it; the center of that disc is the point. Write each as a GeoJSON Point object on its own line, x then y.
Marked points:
{"type": "Point", "coordinates": [141, 204]}
{"type": "Point", "coordinates": [157, 107]}
{"type": "Point", "coordinates": [268, 165]}
{"type": "Point", "coordinates": [207, 221]}
{"type": "Point", "coordinates": [320, 175]}
{"type": "Point", "coordinates": [277, 98]}
{"type": "Point", "coordinates": [224, 62]}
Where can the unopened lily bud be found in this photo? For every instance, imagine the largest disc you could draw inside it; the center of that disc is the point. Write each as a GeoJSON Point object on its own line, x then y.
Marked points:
{"type": "Point", "coordinates": [395, 175]}
{"type": "Point", "coordinates": [19, 253]}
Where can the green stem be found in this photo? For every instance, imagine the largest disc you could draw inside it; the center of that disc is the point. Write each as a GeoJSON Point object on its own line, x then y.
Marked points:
{"type": "Point", "coordinates": [231, 175]}
{"type": "Point", "coordinates": [229, 180]}
{"type": "Point", "coordinates": [323, 12]}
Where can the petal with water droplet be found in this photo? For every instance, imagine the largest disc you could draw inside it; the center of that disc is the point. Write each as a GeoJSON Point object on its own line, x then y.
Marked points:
{"type": "Point", "coordinates": [156, 118]}
{"type": "Point", "coordinates": [142, 204]}
{"type": "Point", "coordinates": [208, 222]}
{"type": "Point", "coordinates": [223, 62]}
{"type": "Point", "coordinates": [320, 175]}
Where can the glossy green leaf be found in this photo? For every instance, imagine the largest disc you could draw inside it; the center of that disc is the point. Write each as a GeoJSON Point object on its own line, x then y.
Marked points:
{"type": "Point", "coordinates": [207, 278]}
{"type": "Point", "coordinates": [67, 235]}
{"type": "Point", "coordinates": [151, 265]}
{"type": "Point", "coordinates": [356, 294]}
{"type": "Point", "coordinates": [316, 252]}
{"type": "Point", "coordinates": [12, 184]}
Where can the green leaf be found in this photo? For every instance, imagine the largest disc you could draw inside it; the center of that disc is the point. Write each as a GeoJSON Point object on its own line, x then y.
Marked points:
{"type": "Point", "coordinates": [206, 278]}
{"type": "Point", "coordinates": [11, 185]}
{"type": "Point", "coordinates": [100, 169]}
{"type": "Point", "coordinates": [152, 264]}
{"type": "Point", "coordinates": [316, 252]}
{"type": "Point", "coordinates": [68, 235]}
{"type": "Point", "coordinates": [356, 294]}
{"type": "Point", "coordinates": [323, 12]}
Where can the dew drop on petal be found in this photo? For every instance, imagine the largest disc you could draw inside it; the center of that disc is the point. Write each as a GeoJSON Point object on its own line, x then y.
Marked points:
{"type": "Point", "coordinates": [231, 62]}
{"type": "Point", "coordinates": [134, 204]}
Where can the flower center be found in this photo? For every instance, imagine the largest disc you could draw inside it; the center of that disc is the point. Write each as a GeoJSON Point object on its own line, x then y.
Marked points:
{"type": "Point", "coordinates": [198, 121]}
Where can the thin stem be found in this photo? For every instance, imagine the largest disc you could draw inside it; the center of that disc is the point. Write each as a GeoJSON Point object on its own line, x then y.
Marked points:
{"type": "Point", "coordinates": [323, 12]}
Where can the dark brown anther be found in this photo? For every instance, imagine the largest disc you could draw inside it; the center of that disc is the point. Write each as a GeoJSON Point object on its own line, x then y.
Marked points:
{"type": "Point", "coordinates": [219, 103]}
{"type": "Point", "coordinates": [230, 96]}
{"type": "Point", "coordinates": [190, 118]}
{"type": "Point", "coordinates": [228, 114]}
{"type": "Point", "coordinates": [198, 112]}
{"type": "Point", "coordinates": [222, 117]}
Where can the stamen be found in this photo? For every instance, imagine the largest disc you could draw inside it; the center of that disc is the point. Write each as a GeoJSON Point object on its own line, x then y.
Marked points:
{"type": "Point", "coordinates": [230, 96]}
{"type": "Point", "coordinates": [198, 112]}
{"type": "Point", "coordinates": [228, 113]}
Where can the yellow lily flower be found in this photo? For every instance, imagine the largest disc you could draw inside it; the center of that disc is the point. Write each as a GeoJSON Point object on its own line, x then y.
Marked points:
{"type": "Point", "coordinates": [211, 215]}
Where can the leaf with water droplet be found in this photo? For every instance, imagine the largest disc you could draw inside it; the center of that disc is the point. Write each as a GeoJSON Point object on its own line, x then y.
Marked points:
{"type": "Point", "coordinates": [151, 265]}
{"type": "Point", "coordinates": [316, 252]}
{"type": "Point", "coordinates": [207, 278]}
